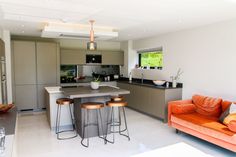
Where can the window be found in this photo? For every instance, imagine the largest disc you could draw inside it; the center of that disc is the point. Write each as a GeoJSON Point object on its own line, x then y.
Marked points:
{"type": "Point", "coordinates": [151, 59]}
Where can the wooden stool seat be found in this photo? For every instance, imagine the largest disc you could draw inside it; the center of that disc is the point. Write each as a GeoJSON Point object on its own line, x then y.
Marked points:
{"type": "Point", "coordinates": [64, 101]}
{"type": "Point", "coordinates": [117, 98]}
{"type": "Point", "coordinates": [92, 105]}
{"type": "Point", "coordinates": [117, 103]}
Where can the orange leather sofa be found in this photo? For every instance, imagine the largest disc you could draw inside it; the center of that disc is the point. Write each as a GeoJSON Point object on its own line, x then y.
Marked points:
{"type": "Point", "coordinates": [199, 117]}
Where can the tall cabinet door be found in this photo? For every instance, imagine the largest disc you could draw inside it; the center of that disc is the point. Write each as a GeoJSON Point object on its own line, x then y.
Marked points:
{"type": "Point", "coordinates": [46, 63]}
{"type": "Point", "coordinates": [26, 97]}
{"type": "Point", "coordinates": [24, 62]}
{"type": "Point", "coordinates": [46, 69]}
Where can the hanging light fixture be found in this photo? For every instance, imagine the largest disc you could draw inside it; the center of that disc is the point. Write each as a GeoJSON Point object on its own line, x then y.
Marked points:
{"type": "Point", "coordinates": [91, 45]}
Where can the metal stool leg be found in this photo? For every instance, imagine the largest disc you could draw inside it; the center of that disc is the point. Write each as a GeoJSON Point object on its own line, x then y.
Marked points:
{"type": "Point", "coordinates": [84, 126]}
{"type": "Point", "coordinates": [103, 136]}
{"type": "Point", "coordinates": [112, 123]}
{"type": "Point", "coordinates": [119, 123]}
{"type": "Point", "coordinates": [72, 119]}
{"type": "Point", "coordinates": [126, 128]}
{"type": "Point", "coordinates": [58, 124]}
{"type": "Point", "coordinates": [56, 129]}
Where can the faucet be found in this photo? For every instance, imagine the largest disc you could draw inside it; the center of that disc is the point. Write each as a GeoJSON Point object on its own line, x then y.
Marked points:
{"type": "Point", "coordinates": [142, 78]}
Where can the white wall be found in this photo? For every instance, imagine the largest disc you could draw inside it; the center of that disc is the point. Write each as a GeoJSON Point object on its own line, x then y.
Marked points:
{"type": "Point", "coordinates": [207, 55]}
{"type": "Point", "coordinates": [130, 57]}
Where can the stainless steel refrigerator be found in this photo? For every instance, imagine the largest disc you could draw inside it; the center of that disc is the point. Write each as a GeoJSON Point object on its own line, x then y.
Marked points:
{"type": "Point", "coordinates": [3, 85]}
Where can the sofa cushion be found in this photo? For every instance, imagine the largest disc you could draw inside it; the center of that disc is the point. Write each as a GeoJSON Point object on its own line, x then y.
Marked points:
{"type": "Point", "coordinates": [227, 113]}
{"type": "Point", "coordinates": [207, 106]}
{"type": "Point", "coordinates": [223, 115]}
{"type": "Point", "coordinates": [225, 104]}
{"type": "Point", "coordinates": [229, 118]}
{"type": "Point", "coordinates": [205, 125]}
{"type": "Point", "coordinates": [232, 125]}
{"type": "Point", "coordinates": [183, 108]}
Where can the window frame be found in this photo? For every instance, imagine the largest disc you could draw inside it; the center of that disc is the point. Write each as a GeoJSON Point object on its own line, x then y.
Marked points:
{"type": "Point", "coordinates": [149, 51]}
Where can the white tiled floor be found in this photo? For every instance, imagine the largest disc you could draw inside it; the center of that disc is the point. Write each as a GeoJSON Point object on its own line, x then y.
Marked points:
{"type": "Point", "coordinates": [34, 139]}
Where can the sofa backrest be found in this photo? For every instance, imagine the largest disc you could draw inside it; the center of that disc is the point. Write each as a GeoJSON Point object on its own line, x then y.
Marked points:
{"type": "Point", "coordinates": [207, 106]}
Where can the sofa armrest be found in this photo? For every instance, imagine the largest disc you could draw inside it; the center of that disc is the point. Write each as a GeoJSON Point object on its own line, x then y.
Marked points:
{"type": "Point", "coordinates": [183, 104]}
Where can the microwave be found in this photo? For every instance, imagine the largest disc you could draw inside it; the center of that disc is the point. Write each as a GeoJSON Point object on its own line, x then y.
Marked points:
{"type": "Point", "coordinates": [93, 58]}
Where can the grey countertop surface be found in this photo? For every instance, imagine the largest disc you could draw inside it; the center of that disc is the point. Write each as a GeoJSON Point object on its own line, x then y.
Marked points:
{"type": "Point", "coordinates": [8, 121]}
{"type": "Point", "coordinates": [148, 84]}
{"type": "Point", "coordinates": [86, 91]}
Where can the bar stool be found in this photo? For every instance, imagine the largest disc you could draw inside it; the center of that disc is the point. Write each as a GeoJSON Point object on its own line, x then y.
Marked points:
{"type": "Point", "coordinates": [60, 102]}
{"type": "Point", "coordinates": [120, 104]}
{"type": "Point", "coordinates": [89, 106]}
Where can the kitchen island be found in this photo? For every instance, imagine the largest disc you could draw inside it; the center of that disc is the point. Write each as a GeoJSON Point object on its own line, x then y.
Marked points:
{"type": "Point", "coordinates": [80, 94]}
{"type": "Point", "coordinates": [86, 94]}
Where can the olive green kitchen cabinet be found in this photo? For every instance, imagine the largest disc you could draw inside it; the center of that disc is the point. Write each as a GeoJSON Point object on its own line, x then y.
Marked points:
{"type": "Point", "coordinates": [46, 63]}
{"type": "Point", "coordinates": [150, 100]}
{"type": "Point", "coordinates": [72, 57]}
{"type": "Point", "coordinates": [112, 57]}
{"type": "Point", "coordinates": [26, 97]}
{"type": "Point", "coordinates": [24, 55]}
{"type": "Point", "coordinates": [35, 65]}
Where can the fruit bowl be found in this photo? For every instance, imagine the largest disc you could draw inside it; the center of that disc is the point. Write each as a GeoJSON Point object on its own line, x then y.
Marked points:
{"type": "Point", "coordinates": [159, 82]}
{"type": "Point", "coordinates": [6, 107]}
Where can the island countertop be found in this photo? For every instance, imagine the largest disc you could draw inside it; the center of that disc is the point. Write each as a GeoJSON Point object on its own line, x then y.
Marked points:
{"type": "Point", "coordinates": [86, 91]}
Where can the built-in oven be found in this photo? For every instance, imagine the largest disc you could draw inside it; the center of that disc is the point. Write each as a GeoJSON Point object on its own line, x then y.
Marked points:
{"type": "Point", "coordinates": [93, 58]}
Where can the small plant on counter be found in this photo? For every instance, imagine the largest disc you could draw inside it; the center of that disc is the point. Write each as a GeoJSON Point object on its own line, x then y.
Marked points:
{"type": "Point", "coordinates": [95, 83]}
{"type": "Point", "coordinates": [96, 79]}
{"type": "Point", "coordinates": [177, 76]}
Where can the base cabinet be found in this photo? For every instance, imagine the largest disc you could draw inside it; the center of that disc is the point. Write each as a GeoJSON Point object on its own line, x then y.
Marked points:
{"type": "Point", "coordinates": [151, 101]}
{"type": "Point", "coordinates": [26, 96]}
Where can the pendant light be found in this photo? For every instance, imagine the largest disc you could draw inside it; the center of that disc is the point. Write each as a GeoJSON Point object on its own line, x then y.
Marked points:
{"type": "Point", "coordinates": [91, 45]}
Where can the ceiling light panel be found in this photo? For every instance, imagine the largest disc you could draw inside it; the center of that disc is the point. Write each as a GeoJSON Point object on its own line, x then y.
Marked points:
{"type": "Point", "coordinates": [54, 30]}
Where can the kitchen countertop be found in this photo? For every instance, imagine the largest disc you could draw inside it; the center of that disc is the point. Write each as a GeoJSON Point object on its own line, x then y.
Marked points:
{"type": "Point", "coordinates": [82, 92]}
{"type": "Point", "coordinates": [8, 121]}
{"type": "Point", "coordinates": [53, 90]}
{"type": "Point", "coordinates": [84, 83]}
{"type": "Point", "coordinates": [148, 83]}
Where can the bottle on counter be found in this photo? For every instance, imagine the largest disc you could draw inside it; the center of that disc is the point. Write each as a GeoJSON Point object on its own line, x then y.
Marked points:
{"type": "Point", "coordinates": [130, 77]}
{"type": "Point", "coordinates": [167, 84]}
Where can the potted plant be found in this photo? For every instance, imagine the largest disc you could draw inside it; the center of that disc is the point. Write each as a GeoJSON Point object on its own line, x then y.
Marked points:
{"type": "Point", "coordinates": [95, 83]}
{"type": "Point", "coordinates": [176, 78]}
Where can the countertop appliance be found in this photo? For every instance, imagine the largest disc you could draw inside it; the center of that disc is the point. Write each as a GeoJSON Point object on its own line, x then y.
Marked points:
{"type": "Point", "coordinates": [93, 58]}
{"type": "Point", "coordinates": [3, 85]}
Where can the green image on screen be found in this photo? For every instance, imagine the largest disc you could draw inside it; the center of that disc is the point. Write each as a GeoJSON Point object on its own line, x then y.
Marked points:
{"type": "Point", "coordinates": [152, 59]}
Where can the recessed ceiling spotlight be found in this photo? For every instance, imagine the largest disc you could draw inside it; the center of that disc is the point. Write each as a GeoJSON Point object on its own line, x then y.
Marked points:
{"type": "Point", "coordinates": [23, 31]}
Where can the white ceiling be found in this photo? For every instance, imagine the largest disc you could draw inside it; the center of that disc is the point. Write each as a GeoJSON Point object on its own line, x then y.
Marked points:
{"type": "Point", "coordinates": [133, 19]}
